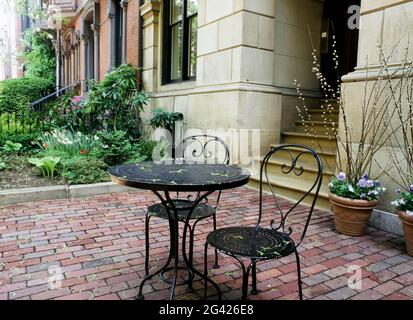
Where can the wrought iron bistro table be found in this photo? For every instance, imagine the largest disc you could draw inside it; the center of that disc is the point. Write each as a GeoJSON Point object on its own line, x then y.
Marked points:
{"type": "Point", "coordinates": [179, 176]}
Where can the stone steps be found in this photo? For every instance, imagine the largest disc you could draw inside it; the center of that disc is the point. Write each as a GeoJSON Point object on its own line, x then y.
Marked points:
{"type": "Point", "coordinates": [321, 127]}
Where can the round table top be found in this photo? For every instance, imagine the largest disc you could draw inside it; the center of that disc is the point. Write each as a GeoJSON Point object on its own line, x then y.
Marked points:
{"type": "Point", "coordinates": [179, 176]}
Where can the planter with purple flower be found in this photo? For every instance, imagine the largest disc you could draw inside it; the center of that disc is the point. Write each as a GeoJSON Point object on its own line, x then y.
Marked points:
{"type": "Point", "coordinates": [353, 202]}
{"type": "Point", "coordinates": [404, 205]}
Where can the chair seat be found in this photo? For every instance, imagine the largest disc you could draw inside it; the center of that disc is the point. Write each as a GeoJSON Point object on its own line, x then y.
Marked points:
{"type": "Point", "coordinates": [252, 242]}
{"type": "Point", "coordinates": [201, 211]}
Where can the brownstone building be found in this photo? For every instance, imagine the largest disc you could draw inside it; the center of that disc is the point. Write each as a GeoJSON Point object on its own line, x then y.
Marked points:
{"type": "Point", "coordinates": [92, 37]}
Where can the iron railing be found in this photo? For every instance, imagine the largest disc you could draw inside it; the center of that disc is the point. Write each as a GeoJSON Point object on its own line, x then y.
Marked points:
{"type": "Point", "coordinates": [36, 118]}
{"type": "Point", "coordinates": [38, 105]}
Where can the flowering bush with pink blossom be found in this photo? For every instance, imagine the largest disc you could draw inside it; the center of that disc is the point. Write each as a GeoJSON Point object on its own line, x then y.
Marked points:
{"type": "Point", "coordinates": [364, 189]}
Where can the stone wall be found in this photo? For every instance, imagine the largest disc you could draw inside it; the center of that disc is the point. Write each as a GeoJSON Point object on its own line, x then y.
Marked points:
{"type": "Point", "coordinates": [388, 23]}
{"type": "Point", "coordinates": [249, 53]}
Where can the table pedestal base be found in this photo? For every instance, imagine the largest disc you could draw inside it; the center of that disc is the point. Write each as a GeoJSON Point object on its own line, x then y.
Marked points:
{"type": "Point", "coordinates": [174, 249]}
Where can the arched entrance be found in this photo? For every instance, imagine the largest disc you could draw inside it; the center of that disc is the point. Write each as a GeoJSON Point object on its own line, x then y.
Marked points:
{"type": "Point", "coordinates": [338, 20]}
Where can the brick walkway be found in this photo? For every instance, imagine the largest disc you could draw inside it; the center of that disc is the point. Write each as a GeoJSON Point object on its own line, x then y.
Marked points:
{"type": "Point", "coordinates": [98, 244]}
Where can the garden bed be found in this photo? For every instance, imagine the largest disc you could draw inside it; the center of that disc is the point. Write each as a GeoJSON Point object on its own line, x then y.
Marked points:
{"type": "Point", "coordinates": [25, 176]}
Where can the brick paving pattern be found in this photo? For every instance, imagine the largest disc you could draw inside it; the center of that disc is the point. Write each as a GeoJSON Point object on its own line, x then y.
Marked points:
{"type": "Point", "coordinates": [98, 243]}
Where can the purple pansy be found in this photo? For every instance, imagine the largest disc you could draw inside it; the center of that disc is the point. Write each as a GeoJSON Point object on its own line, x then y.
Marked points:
{"type": "Point", "coordinates": [411, 188]}
{"type": "Point", "coordinates": [365, 177]}
{"type": "Point", "coordinates": [341, 176]}
{"type": "Point", "coordinates": [362, 183]}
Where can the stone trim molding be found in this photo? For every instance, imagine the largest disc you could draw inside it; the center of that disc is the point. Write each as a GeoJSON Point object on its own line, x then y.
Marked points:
{"type": "Point", "coordinates": [15, 196]}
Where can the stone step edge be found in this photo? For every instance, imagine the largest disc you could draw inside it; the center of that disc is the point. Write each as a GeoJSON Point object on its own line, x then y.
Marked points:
{"type": "Point", "coordinates": [321, 194]}
{"type": "Point", "coordinates": [25, 195]}
{"type": "Point", "coordinates": [311, 169]}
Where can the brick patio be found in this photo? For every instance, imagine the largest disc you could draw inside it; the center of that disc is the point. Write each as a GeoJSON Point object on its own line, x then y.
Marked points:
{"type": "Point", "coordinates": [99, 244]}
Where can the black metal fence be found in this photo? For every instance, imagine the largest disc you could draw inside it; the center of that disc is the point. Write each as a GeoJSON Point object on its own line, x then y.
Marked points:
{"type": "Point", "coordinates": [35, 119]}
{"type": "Point", "coordinates": [23, 122]}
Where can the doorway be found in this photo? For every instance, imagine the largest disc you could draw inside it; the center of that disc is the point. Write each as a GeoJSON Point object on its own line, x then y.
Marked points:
{"type": "Point", "coordinates": [338, 22]}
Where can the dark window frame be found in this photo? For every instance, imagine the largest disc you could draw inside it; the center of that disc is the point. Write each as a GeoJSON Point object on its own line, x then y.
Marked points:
{"type": "Point", "coordinates": [118, 33]}
{"type": "Point", "coordinates": [167, 44]}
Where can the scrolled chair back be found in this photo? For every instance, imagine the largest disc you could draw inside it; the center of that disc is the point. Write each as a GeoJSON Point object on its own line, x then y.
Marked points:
{"type": "Point", "coordinates": [289, 160]}
{"type": "Point", "coordinates": [203, 149]}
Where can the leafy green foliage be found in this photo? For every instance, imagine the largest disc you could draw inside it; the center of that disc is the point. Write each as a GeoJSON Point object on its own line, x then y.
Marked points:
{"type": "Point", "coordinates": [112, 147]}
{"type": "Point", "coordinates": [84, 170]}
{"type": "Point", "coordinates": [142, 151]}
{"type": "Point", "coordinates": [40, 59]}
{"type": "Point", "coordinates": [47, 165]}
{"type": "Point", "coordinates": [365, 189]}
{"type": "Point", "coordinates": [11, 147]}
{"type": "Point", "coordinates": [164, 119]}
{"type": "Point", "coordinates": [3, 165]}
{"type": "Point", "coordinates": [17, 94]}
{"type": "Point", "coordinates": [27, 140]}
{"type": "Point", "coordinates": [405, 200]}
{"type": "Point", "coordinates": [66, 142]}
{"type": "Point", "coordinates": [115, 102]}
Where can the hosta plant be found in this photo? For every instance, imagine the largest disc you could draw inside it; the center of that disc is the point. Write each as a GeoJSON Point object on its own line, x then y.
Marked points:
{"type": "Point", "coordinates": [46, 165]}
{"type": "Point", "coordinates": [11, 147]}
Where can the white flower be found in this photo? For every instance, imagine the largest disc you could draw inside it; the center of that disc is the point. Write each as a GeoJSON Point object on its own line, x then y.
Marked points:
{"type": "Point", "coordinates": [351, 189]}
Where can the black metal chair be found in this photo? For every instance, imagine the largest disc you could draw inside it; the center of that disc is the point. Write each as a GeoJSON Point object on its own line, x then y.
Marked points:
{"type": "Point", "coordinates": [198, 148]}
{"type": "Point", "coordinates": [256, 244]}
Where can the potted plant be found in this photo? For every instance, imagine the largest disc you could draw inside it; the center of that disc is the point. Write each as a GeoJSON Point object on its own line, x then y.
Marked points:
{"type": "Point", "coordinates": [404, 205]}
{"type": "Point", "coordinates": [354, 192]}
{"type": "Point", "coordinates": [353, 203]}
{"type": "Point", "coordinates": [399, 168]}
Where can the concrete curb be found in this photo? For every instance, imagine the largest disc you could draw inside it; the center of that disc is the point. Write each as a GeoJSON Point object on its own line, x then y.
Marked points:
{"type": "Point", "coordinates": [386, 221]}
{"type": "Point", "coordinates": [15, 196]}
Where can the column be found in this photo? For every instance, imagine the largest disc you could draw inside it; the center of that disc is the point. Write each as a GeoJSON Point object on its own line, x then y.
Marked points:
{"type": "Point", "coordinates": [73, 63]}
{"type": "Point", "coordinates": [150, 14]}
{"type": "Point", "coordinates": [111, 17]}
{"type": "Point", "coordinates": [64, 69]}
{"type": "Point", "coordinates": [95, 29]}
{"type": "Point", "coordinates": [124, 5]}
{"type": "Point", "coordinates": [58, 60]}
{"type": "Point", "coordinates": [85, 79]}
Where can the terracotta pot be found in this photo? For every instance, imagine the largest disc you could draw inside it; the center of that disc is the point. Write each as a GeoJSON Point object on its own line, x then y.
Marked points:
{"type": "Point", "coordinates": [407, 230]}
{"type": "Point", "coordinates": [351, 216]}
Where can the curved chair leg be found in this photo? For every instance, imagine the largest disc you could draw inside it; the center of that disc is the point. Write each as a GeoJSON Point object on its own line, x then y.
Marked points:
{"type": "Point", "coordinates": [300, 283]}
{"type": "Point", "coordinates": [147, 219]}
{"type": "Point", "coordinates": [205, 269]}
{"type": "Point", "coordinates": [214, 219]}
{"type": "Point", "coordinates": [191, 255]}
{"type": "Point", "coordinates": [254, 290]}
{"type": "Point", "coordinates": [245, 278]}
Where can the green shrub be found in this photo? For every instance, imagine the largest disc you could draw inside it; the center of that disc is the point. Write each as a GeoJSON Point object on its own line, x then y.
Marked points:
{"type": "Point", "coordinates": [142, 151]}
{"type": "Point", "coordinates": [40, 60]}
{"type": "Point", "coordinates": [17, 94]}
{"type": "Point", "coordinates": [112, 147]}
{"type": "Point", "coordinates": [11, 147]}
{"type": "Point", "coordinates": [164, 119]}
{"type": "Point", "coordinates": [115, 102]}
{"type": "Point", "coordinates": [84, 170]}
{"type": "Point", "coordinates": [27, 140]}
